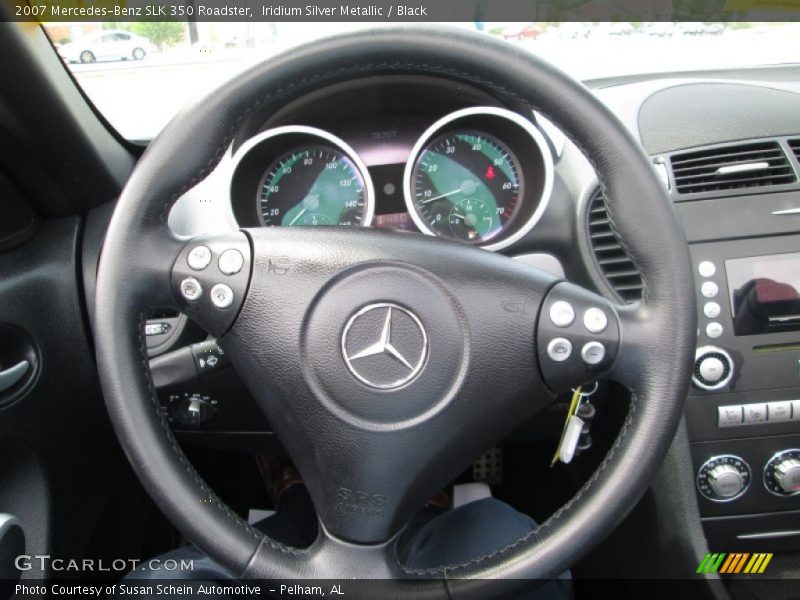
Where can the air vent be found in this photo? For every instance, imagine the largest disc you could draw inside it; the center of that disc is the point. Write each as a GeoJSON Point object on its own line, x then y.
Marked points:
{"type": "Point", "coordinates": [731, 167]}
{"type": "Point", "coordinates": [795, 146]}
{"type": "Point", "coordinates": [615, 264]}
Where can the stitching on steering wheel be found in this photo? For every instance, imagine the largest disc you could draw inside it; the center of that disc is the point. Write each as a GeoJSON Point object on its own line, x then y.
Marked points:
{"type": "Point", "coordinates": [212, 163]}
{"type": "Point", "coordinates": [207, 491]}
{"type": "Point", "coordinates": [555, 517]}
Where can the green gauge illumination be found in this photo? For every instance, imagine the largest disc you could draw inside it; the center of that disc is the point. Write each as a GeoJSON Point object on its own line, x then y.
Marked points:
{"type": "Point", "coordinates": [313, 185]}
{"type": "Point", "coordinates": [466, 185]}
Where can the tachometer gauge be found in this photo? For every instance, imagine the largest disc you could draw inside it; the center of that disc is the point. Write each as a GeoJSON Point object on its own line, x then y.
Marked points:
{"type": "Point", "coordinates": [467, 185]}
{"type": "Point", "coordinates": [479, 175]}
{"type": "Point", "coordinates": [297, 175]}
{"type": "Point", "coordinates": [314, 185]}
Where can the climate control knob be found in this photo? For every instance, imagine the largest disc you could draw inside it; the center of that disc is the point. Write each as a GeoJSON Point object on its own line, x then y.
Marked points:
{"type": "Point", "coordinates": [782, 473]}
{"type": "Point", "coordinates": [713, 368]}
{"type": "Point", "coordinates": [723, 478]}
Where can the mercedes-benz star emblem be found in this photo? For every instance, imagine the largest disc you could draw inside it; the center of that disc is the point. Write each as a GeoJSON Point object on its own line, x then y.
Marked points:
{"type": "Point", "coordinates": [384, 345]}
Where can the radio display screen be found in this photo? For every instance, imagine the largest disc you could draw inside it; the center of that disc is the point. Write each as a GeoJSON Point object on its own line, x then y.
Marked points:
{"type": "Point", "coordinates": [764, 293]}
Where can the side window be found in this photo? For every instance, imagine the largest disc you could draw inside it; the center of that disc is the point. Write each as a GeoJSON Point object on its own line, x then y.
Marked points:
{"type": "Point", "coordinates": [122, 37]}
{"type": "Point", "coordinates": [107, 39]}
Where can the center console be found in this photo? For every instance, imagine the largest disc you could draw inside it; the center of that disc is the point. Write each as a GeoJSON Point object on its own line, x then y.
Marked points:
{"type": "Point", "coordinates": [743, 411]}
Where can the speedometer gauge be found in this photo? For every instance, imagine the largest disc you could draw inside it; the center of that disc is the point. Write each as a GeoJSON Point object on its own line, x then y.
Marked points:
{"type": "Point", "coordinates": [296, 175]}
{"type": "Point", "coordinates": [312, 185]}
{"type": "Point", "coordinates": [480, 175]}
{"type": "Point", "coordinates": [467, 185]}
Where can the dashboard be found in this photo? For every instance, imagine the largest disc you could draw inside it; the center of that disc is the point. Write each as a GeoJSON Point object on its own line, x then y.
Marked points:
{"type": "Point", "coordinates": [426, 155]}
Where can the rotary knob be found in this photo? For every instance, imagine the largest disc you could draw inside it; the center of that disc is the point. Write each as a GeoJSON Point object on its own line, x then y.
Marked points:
{"type": "Point", "coordinates": [782, 473]}
{"type": "Point", "coordinates": [713, 368]}
{"type": "Point", "coordinates": [726, 481]}
{"type": "Point", "coordinates": [723, 478]}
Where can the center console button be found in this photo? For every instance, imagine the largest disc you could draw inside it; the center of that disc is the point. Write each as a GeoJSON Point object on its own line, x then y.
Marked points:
{"type": "Point", "coordinates": [795, 410]}
{"type": "Point", "coordinates": [712, 369]}
{"type": "Point", "coordinates": [779, 411]}
{"type": "Point", "coordinates": [714, 330]}
{"type": "Point", "coordinates": [711, 310]}
{"type": "Point", "coordinates": [729, 416]}
{"type": "Point", "coordinates": [707, 269]}
{"type": "Point", "coordinates": [755, 413]}
{"type": "Point", "coordinates": [709, 289]}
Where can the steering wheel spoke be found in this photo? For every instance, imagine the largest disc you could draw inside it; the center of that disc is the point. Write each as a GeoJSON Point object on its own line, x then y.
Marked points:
{"type": "Point", "coordinates": [578, 337]}
{"type": "Point", "coordinates": [209, 279]}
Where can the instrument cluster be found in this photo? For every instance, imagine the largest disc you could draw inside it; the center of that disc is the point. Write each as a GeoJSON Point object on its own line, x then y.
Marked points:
{"type": "Point", "coordinates": [480, 175]}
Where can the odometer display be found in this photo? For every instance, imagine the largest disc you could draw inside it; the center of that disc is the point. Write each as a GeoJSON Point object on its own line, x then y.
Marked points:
{"type": "Point", "coordinates": [466, 185]}
{"type": "Point", "coordinates": [313, 185]}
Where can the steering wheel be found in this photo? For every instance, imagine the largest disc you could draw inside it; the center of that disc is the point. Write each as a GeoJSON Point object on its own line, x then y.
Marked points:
{"type": "Point", "coordinates": [475, 330]}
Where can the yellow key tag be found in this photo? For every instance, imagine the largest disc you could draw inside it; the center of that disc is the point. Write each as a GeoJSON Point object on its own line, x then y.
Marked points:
{"type": "Point", "coordinates": [569, 439]}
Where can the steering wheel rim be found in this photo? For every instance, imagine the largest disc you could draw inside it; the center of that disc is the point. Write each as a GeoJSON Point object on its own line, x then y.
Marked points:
{"type": "Point", "coordinates": [139, 269]}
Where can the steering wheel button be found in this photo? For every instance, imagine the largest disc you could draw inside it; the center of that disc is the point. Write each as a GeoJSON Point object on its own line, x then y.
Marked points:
{"type": "Point", "coordinates": [559, 349]}
{"type": "Point", "coordinates": [707, 269]}
{"type": "Point", "coordinates": [191, 289]}
{"type": "Point", "coordinates": [199, 257]}
{"type": "Point", "coordinates": [713, 330]}
{"type": "Point", "coordinates": [595, 320]}
{"type": "Point", "coordinates": [593, 353]}
{"type": "Point", "coordinates": [709, 289]}
{"type": "Point", "coordinates": [231, 262]}
{"type": "Point", "coordinates": [562, 314]}
{"type": "Point", "coordinates": [222, 295]}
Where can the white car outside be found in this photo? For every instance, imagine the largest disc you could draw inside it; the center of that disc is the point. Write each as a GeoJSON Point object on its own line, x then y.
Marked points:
{"type": "Point", "coordinates": [111, 44]}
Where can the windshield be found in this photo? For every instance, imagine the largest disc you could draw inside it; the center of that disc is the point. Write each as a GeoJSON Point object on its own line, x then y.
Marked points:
{"type": "Point", "coordinates": [140, 74]}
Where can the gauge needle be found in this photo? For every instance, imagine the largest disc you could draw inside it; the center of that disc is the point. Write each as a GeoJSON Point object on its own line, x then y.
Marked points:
{"type": "Point", "coordinates": [467, 188]}
{"type": "Point", "coordinates": [440, 196]}
{"type": "Point", "coordinates": [309, 202]}
{"type": "Point", "coordinates": [300, 214]}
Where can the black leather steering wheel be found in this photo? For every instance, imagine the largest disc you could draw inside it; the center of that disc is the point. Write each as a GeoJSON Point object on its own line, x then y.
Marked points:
{"type": "Point", "coordinates": [372, 457]}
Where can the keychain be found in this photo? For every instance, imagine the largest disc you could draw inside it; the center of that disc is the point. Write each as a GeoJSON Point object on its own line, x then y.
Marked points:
{"type": "Point", "coordinates": [573, 427]}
